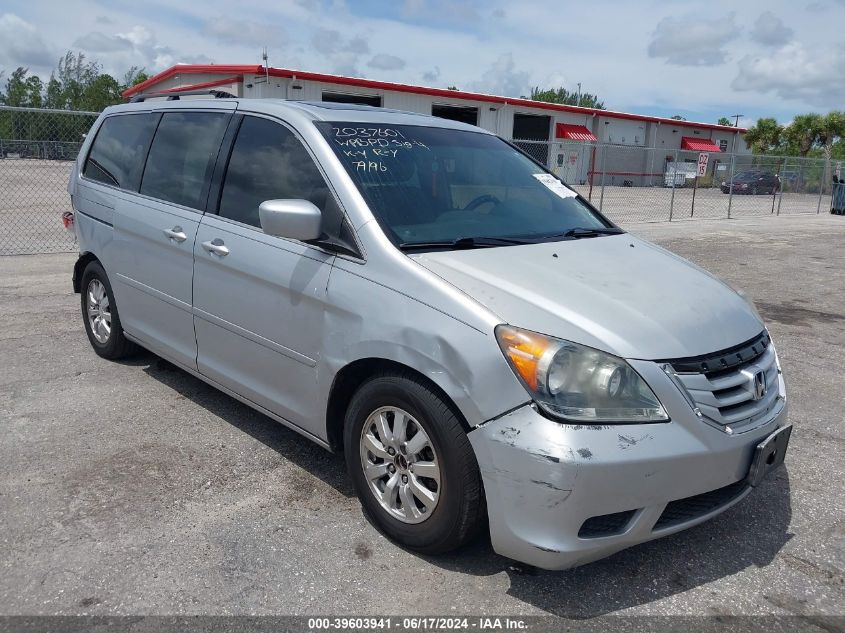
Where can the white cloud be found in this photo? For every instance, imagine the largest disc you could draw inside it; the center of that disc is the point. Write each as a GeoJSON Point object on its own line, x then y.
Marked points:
{"type": "Point", "coordinates": [503, 78]}
{"type": "Point", "coordinates": [331, 42]}
{"type": "Point", "coordinates": [96, 42]}
{"type": "Point", "coordinates": [795, 73]}
{"type": "Point", "coordinates": [383, 61]}
{"type": "Point", "coordinates": [692, 40]}
{"type": "Point", "coordinates": [135, 47]}
{"type": "Point", "coordinates": [22, 45]}
{"type": "Point", "coordinates": [770, 30]}
{"type": "Point", "coordinates": [233, 31]}
{"type": "Point", "coordinates": [431, 75]}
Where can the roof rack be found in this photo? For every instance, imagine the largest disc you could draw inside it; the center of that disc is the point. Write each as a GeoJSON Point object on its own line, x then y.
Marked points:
{"type": "Point", "coordinates": [175, 96]}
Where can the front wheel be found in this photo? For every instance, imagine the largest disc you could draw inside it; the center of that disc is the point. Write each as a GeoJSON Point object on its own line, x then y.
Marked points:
{"type": "Point", "coordinates": [412, 465]}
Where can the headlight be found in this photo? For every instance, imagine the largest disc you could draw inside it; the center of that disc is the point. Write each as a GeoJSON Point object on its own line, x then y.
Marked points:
{"type": "Point", "coordinates": [577, 383]}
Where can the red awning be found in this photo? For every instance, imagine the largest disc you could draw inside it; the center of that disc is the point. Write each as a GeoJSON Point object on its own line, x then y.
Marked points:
{"type": "Point", "coordinates": [699, 144]}
{"type": "Point", "coordinates": [573, 132]}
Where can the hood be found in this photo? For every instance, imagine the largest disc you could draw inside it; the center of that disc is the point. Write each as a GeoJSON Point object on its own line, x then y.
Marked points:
{"type": "Point", "coordinates": [616, 293]}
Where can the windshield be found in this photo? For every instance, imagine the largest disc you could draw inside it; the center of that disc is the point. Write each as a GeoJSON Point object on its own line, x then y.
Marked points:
{"type": "Point", "coordinates": [429, 185]}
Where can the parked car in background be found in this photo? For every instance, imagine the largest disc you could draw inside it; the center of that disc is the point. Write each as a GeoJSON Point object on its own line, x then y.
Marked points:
{"type": "Point", "coordinates": [753, 182]}
{"type": "Point", "coordinates": [485, 348]}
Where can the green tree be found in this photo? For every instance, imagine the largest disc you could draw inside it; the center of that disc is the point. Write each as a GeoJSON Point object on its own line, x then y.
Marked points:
{"type": "Point", "coordinates": [764, 135]}
{"type": "Point", "coordinates": [832, 127]}
{"type": "Point", "coordinates": [70, 80]}
{"type": "Point", "coordinates": [564, 96]}
{"type": "Point", "coordinates": [802, 134]}
{"type": "Point", "coordinates": [723, 120]}
{"type": "Point", "coordinates": [135, 76]}
{"type": "Point", "coordinates": [22, 90]}
{"type": "Point", "coordinates": [678, 117]}
{"type": "Point", "coordinates": [102, 92]}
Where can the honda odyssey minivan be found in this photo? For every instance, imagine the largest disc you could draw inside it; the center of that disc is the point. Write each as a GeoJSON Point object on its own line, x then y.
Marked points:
{"type": "Point", "coordinates": [486, 349]}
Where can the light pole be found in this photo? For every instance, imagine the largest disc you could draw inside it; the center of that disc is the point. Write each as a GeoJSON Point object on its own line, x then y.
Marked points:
{"type": "Point", "coordinates": [578, 102]}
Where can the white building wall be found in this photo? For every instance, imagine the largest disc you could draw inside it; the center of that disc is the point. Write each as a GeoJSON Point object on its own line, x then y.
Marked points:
{"type": "Point", "coordinates": [495, 117]}
{"type": "Point", "coordinates": [621, 131]}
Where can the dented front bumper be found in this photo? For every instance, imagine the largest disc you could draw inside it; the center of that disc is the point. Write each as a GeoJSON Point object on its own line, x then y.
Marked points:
{"type": "Point", "coordinates": [543, 479]}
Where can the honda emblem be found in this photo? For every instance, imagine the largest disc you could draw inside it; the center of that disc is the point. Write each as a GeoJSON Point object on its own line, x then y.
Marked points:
{"type": "Point", "coordinates": [759, 386]}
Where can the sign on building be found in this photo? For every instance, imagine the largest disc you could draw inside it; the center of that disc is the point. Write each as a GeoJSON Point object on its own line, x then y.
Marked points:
{"type": "Point", "coordinates": [702, 163]}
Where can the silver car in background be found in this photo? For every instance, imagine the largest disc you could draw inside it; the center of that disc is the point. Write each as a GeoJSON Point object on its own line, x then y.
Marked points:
{"type": "Point", "coordinates": [484, 347]}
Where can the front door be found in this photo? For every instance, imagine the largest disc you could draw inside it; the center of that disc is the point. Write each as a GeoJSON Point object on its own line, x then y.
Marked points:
{"type": "Point", "coordinates": [259, 300]}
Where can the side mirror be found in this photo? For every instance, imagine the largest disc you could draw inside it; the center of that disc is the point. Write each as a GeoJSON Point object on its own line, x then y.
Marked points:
{"type": "Point", "coordinates": [296, 219]}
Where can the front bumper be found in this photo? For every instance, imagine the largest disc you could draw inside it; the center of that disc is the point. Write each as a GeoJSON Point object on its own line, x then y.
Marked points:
{"type": "Point", "coordinates": [543, 479]}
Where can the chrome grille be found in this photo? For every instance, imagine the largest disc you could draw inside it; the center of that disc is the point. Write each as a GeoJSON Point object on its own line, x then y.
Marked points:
{"type": "Point", "coordinates": [730, 397]}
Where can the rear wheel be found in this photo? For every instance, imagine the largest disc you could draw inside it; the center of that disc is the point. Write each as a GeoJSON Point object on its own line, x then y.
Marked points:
{"type": "Point", "coordinates": [99, 313]}
{"type": "Point", "coordinates": [412, 465]}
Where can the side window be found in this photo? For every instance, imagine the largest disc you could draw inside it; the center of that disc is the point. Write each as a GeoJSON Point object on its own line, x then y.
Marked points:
{"type": "Point", "coordinates": [117, 154]}
{"type": "Point", "coordinates": [182, 157]}
{"type": "Point", "coordinates": [268, 162]}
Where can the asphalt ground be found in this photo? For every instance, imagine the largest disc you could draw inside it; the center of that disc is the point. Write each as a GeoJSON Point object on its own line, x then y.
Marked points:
{"type": "Point", "coordinates": [134, 488]}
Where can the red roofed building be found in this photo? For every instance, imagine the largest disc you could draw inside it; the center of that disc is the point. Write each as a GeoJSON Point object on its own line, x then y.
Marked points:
{"type": "Point", "coordinates": [562, 135]}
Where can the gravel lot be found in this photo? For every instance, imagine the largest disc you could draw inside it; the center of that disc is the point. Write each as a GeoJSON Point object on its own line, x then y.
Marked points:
{"type": "Point", "coordinates": [133, 488]}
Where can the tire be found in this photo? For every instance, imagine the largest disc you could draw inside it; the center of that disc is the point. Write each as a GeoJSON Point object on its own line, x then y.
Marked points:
{"type": "Point", "coordinates": [109, 343]}
{"type": "Point", "coordinates": [754, 190]}
{"type": "Point", "coordinates": [460, 510]}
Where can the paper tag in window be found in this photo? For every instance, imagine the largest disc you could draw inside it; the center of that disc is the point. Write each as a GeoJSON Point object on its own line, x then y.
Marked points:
{"type": "Point", "coordinates": [555, 185]}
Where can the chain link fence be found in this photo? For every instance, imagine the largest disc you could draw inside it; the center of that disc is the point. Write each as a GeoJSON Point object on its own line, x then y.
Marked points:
{"type": "Point", "coordinates": [628, 183]}
{"type": "Point", "coordinates": [37, 150]}
{"type": "Point", "coordinates": [642, 184]}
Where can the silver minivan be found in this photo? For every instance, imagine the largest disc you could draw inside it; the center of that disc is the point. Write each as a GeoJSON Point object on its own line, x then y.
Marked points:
{"type": "Point", "coordinates": [484, 347]}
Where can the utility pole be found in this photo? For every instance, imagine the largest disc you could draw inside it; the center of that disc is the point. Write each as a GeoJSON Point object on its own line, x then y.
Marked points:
{"type": "Point", "coordinates": [578, 102]}
{"type": "Point", "coordinates": [733, 146]}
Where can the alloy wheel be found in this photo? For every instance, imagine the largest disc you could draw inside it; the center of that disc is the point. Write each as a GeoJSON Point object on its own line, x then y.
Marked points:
{"type": "Point", "coordinates": [98, 310]}
{"type": "Point", "coordinates": [400, 464]}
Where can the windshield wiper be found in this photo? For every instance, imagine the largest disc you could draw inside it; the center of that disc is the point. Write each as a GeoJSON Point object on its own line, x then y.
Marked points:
{"type": "Point", "coordinates": [465, 243]}
{"type": "Point", "coordinates": [579, 232]}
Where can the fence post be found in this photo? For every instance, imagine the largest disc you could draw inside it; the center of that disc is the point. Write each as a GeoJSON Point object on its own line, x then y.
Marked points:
{"type": "Point", "coordinates": [783, 177]}
{"type": "Point", "coordinates": [674, 177]}
{"type": "Point", "coordinates": [821, 189]}
{"type": "Point", "coordinates": [731, 184]}
{"type": "Point", "coordinates": [603, 160]}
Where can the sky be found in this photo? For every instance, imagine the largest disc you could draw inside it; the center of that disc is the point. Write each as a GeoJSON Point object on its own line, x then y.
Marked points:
{"type": "Point", "coordinates": [700, 60]}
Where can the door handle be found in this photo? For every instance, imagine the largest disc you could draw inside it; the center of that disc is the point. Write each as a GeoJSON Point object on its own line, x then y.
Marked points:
{"type": "Point", "coordinates": [176, 234]}
{"type": "Point", "coordinates": [216, 247]}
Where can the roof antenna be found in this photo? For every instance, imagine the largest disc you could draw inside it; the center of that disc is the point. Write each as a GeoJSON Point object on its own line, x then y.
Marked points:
{"type": "Point", "coordinates": [266, 65]}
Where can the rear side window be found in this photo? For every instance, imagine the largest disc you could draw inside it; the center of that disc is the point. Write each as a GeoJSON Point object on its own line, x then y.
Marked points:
{"type": "Point", "coordinates": [117, 154]}
{"type": "Point", "coordinates": [182, 157]}
{"type": "Point", "coordinates": [268, 162]}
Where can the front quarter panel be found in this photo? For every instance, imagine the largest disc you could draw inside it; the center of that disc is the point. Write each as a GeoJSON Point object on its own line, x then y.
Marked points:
{"type": "Point", "coordinates": [391, 308]}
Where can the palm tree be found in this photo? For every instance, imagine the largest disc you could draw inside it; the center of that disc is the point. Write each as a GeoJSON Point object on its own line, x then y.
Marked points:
{"type": "Point", "coordinates": [832, 127]}
{"type": "Point", "coordinates": [803, 134]}
{"type": "Point", "coordinates": [764, 135]}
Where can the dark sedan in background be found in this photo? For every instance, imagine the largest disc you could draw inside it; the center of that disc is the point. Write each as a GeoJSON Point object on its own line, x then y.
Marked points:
{"type": "Point", "coordinates": [753, 182]}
